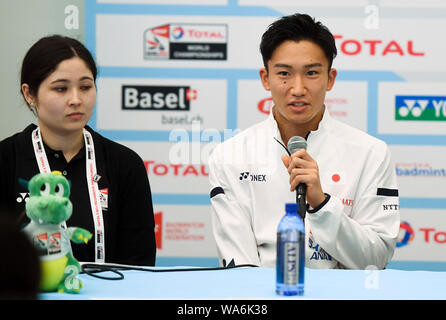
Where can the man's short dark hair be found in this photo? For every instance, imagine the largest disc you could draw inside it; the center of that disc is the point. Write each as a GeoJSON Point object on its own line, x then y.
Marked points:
{"type": "Point", "coordinates": [297, 27]}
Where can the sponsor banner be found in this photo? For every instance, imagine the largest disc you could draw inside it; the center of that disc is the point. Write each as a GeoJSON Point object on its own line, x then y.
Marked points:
{"type": "Point", "coordinates": [347, 102]}
{"type": "Point", "coordinates": [420, 108]}
{"type": "Point", "coordinates": [420, 168]}
{"type": "Point", "coordinates": [413, 4]}
{"type": "Point", "coordinates": [198, 41]}
{"type": "Point", "coordinates": [186, 42]}
{"type": "Point", "coordinates": [160, 104]}
{"type": "Point", "coordinates": [398, 44]}
{"type": "Point", "coordinates": [253, 102]}
{"type": "Point", "coordinates": [304, 3]}
{"type": "Point", "coordinates": [422, 235]}
{"type": "Point", "coordinates": [412, 108]}
{"type": "Point", "coordinates": [175, 167]}
{"type": "Point", "coordinates": [175, 49]}
{"type": "Point", "coordinates": [178, 2]}
{"type": "Point", "coordinates": [172, 98]}
{"type": "Point", "coordinates": [184, 231]}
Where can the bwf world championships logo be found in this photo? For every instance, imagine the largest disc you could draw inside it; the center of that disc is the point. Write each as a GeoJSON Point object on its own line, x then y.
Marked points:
{"type": "Point", "coordinates": [186, 42]}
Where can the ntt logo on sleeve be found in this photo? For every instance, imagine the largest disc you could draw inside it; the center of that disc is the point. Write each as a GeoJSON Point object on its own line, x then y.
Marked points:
{"type": "Point", "coordinates": [420, 108]}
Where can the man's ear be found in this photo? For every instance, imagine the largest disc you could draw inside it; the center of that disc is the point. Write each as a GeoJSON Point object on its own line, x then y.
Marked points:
{"type": "Point", "coordinates": [332, 73]}
{"type": "Point", "coordinates": [264, 78]}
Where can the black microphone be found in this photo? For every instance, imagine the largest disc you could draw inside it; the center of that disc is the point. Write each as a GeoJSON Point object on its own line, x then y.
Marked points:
{"type": "Point", "coordinates": [295, 143]}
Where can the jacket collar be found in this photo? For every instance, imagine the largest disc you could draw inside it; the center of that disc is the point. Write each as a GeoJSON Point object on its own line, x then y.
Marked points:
{"type": "Point", "coordinates": [322, 128]}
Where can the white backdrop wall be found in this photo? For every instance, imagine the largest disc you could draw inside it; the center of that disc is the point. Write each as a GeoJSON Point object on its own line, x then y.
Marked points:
{"type": "Point", "coordinates": [22, 23]}
{"type": "Point", "coordinates": [178, 76]}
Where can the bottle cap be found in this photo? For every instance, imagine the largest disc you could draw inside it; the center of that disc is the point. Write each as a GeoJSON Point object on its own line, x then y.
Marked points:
{"type": "Point", "coordinates": [291, 207]}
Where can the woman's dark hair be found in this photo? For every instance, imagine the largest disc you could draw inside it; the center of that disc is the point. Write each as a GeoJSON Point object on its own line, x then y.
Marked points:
{"type": "Point", "coordinates": [46, 54]}
{"type": "Point", "coordinates": [297, 27]}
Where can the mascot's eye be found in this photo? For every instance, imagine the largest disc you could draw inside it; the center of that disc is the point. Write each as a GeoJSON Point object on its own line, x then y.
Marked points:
{"type": "Point", "coordinates": [45, 189]}
{"type": "Point", "coordinates": [59, 190]}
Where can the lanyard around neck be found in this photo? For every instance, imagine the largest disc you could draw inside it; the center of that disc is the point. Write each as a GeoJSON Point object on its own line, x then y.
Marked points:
{"type": "Point", "coordinates": [92, 182]}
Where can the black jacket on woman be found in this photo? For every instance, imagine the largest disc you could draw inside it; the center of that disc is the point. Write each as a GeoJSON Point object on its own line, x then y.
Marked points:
{"type": "Point", "coordinates": [127, 212]}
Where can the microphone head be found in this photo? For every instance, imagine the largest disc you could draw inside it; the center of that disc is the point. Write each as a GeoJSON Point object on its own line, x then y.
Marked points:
{"type": "Point", "coordinates": [295, 143]}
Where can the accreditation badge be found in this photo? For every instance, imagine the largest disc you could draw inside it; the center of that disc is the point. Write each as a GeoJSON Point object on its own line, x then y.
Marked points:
{"type": "Point", "coordinates": [104, 198]}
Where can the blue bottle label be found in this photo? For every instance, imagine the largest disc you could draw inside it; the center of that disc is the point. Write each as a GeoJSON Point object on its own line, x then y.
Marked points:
{"type": "Point", "coordinates": [290, 266]}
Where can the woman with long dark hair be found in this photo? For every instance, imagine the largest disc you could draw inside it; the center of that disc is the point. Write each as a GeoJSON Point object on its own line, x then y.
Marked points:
{"type": "Point", "coordinates": [110, 190]}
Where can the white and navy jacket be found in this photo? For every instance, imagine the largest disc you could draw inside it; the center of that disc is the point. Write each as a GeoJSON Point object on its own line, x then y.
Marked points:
{"type": "Point", "coordinates": [355, 227]}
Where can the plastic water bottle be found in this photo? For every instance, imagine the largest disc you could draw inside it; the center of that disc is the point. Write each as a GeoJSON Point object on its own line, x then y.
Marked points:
{"type": "Point", "coordinates": [290, 261]}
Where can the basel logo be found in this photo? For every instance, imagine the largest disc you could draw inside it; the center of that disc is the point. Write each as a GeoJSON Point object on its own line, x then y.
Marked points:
{"type": "Point", "coordinates": [407, 234]}
{"type": "Point", "coordinates": [420, 108]}
{"type": "Point", "coordinates": [167, 98]}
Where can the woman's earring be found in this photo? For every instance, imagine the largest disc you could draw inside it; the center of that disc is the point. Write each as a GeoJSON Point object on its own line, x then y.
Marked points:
{"type": "Point", "coordinates": [32, 108]}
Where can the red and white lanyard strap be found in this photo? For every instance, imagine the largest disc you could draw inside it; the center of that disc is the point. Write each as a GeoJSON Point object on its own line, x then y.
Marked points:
{"type": "Point", "coordinates": [39, 151]}
{"type": "Point", "coordinates": [95, 198]}
{"type": "Point", "coordinates": [92, 182]}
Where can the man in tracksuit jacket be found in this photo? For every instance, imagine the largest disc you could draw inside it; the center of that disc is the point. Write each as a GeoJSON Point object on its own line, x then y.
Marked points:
{"type": "Point", "coordinates": [352, 219]}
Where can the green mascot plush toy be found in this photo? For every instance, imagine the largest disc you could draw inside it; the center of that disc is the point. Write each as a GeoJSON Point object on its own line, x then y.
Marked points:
{"type": "Point", "coordinates": [48, 207]}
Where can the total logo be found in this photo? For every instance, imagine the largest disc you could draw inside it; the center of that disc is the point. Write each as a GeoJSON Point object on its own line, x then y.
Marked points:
{"type": "Point", "coordinates": [178, 170]}
{"type": "Point", "coordinates": [376, 47]}
{"type": "Point", "coordinates": [420, 108]}
{"type": "Point", "coordinates": [429, 235]}
{"type": "Point", "coordinates": [406, 235]}
{"type": "Point", "coordinates": [177, 33]}
{"type": "Point", "coordinates": [194, 32]}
